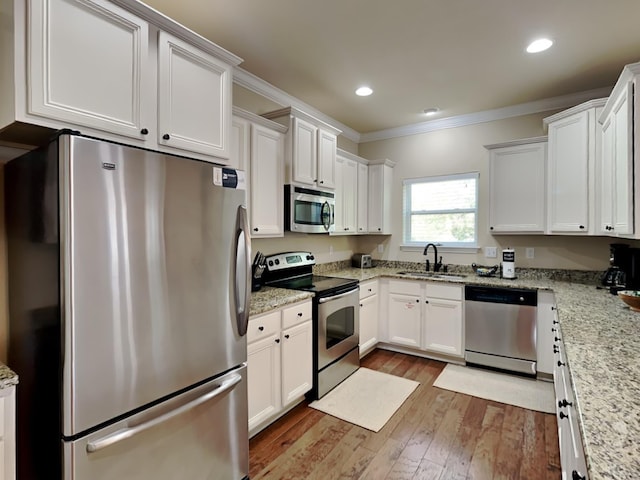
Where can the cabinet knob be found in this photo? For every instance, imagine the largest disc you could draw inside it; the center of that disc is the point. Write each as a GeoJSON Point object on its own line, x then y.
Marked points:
{"type": "Point", "coordinates": [286, 336]}
{"type": "Point", "coordinates": [346, 228]}
{"type": "Point", "coordinates": [563, 403]}
{"type": "Point", "coordinates": [560, 364]}
{"type": "Point", "coordinates": [166, 136]}
{"type": "Point", "coordinates": [369, 289]}
{"type": "Point", "coordinates": [554, 329]}
{"type": "Point", "coordinates": [555, 349]}
{"type": "Point", "coordinates": [261, 328]}
{"type": "Point", "coordinates": [555, 322]}
{"type": "Point", "coordinates": [277, 340]}
{"type": "Point", "coordinates": [299, 314]}
{"type": "Point", "coordinates": [554, 308]}
{"type": "Point", "coordinates": [563, 415]}
{"type": "Point", "coordinates": [379, 229]}
{"type": "Point", "coordinates": [144, 131]}
{"type": "Point", "coordinates": [321, 182]}
{"type": "Point", "coordinates": [576, 476]}
{"type": "Point", "coordinates": [490, 228]}
{"type": "Point", "coordinates": [557, 339]}
{"type": "Point", "coordinates": [361, 305]}
{"type": "Point", "coordinates": [417, 300]}
{"type": "Point", "coordinates": [426, 301]}
{"type": "Point", "coordinates": [255, 229]}
{"type": "Point", "coordinates": [581, 227]}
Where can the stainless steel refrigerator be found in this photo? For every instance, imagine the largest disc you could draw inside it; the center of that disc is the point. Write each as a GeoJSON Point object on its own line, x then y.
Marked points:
{"type": "Point", "coordinates": [129, 285]}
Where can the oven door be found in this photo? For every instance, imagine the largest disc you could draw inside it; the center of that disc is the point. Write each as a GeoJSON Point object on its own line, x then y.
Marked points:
{"type": "Point", "coordinates": [311, 211]}
{"type": "Point", "coordinates": [338, 326]}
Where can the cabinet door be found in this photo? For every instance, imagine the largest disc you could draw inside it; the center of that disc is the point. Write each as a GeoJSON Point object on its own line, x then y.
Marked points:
{"type": "Point", "coordinates": [297, 369]}
{"type": "Point", "coordinates": [605, 179]}
{"type": "Point", "coordinates": [443, 326]}
{"type": "Point", "coordinates": [88, 65]}
{"type": "Point", "coordinates": [623, 164]}
{"type": "Point", "coordinates": [8, 433]}
{"type": "Point", "coordinates": [349, 195]}
{"type": "Point", "coordinates": [263, 384]}
{"type": "Point", "coordinates": [194, 99]}
{"type": "Point", "coordinates": [517, 192]}
{"type": "Point", "coordinates": [368, 323]}
{"type": "Point", "coordinates": [569, 156]}
{"type": "Point", "coordinates": [363, 198]}
{"type": "Point", "coordinates": [379, 199]}
{"type": "Point", "coordinates": [338, 217]}
{"type": "Point", "coordinates": [304, 151]}
{"type": "Point", "coordinates": [327, 145]}
{"type": "Point", "coordinates": [546, 327]}
{"type": "Point", "coordinates": [239, 153]}
{"type": "Point", "coordinates": [404, 320]}
{"type": "Point", "coordinates": [267, 183]}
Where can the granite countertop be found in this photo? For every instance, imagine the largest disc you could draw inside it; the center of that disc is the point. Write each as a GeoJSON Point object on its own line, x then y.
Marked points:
{"type": "Point", "coordinates": [602, 342]}
{"type": "Point", "coordinates": [7, 377]}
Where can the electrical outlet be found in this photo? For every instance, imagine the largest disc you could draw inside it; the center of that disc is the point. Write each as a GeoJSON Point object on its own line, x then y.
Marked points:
{"type": "Point", "coordinates": [380, 248]}
{"type": "Point", "coordinates": [330, 249]}
{"type": "Point", "coordinates": [491, 252]}
{"type": "Point", "coordinates": [529, 252]}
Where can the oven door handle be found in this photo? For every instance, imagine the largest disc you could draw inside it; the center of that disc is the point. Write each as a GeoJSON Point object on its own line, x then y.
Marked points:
{"type": "Point", "coordinates": [336, 297]}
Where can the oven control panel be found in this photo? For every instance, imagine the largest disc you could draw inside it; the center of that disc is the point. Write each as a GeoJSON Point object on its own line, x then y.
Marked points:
{"type": "Point", "coordinates": [282, 261]}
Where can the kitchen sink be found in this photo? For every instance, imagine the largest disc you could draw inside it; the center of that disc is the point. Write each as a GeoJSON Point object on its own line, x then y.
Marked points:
{"type": "Point", "coordinates": [435, 275]}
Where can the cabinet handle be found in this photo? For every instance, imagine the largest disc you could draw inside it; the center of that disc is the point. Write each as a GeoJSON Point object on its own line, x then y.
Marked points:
{"type": "Point", "coordinates": [563, 415]}
{"type": "Point", "coordinates": [581, 227]}
{"type": "Point", "coordinates": [286, 336]}
{"type": "Point", "coordinates": [144, 131]}
{"type": "Point", "coordinates": [564, 403]}
{"type": "Point", "coordinates": [255, 229]}
{"type": "Point", "coordinates": [261, 328]}
{"type": "Point", "coordinates": [299, 314]}
{"type": "Point", "coordinates": [576, 476]}
{"type": "Point", "coordinates": [277, 340]}
{"type": "Point", "coordinates": [560, 364]}
{"type": "Point", "coordinates": [166, 136]}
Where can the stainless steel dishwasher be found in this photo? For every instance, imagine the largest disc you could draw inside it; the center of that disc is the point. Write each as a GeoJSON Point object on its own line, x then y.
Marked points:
{"type": "Point", "coordinates": [500, 327]}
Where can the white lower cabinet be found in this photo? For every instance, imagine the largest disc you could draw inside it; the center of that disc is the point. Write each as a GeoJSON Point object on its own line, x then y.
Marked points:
{"type": "Point", "coordinates": [7, 433]}
{"type": "Point", "coordinates": [426, 316]}
{"type": "Point", "coordinates": [279, 362]}
{"type": "Point", "coordinates": [547, 328]}
{"type": "Point", "coordinates": [368, 316]}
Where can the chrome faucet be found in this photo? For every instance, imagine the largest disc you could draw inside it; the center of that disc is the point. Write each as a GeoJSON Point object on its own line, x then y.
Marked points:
{"type": "Point", "coordinates": [436, 264]}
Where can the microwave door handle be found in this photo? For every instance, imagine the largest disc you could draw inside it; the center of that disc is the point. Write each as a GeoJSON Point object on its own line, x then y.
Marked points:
{"type": "Point", "coordinates": [326, 219]}
{"type": "Point", "coordinates": [242, 270]}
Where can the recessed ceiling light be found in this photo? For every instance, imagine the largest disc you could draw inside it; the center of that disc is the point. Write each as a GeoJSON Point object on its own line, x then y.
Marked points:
{"type": "Point", "coordinates": [364, 91]}
{"type": "Point", "coordinates": [431, 111]}
{"type": "Point", "coordinates": [539, 45]}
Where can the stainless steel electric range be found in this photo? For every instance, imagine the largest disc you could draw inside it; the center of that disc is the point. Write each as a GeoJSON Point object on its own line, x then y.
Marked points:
{"type": "Point", "coordinates": [335, 316]}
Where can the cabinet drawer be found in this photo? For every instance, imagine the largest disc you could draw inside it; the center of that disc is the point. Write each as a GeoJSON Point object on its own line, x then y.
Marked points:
{"type": "Point", "coordinates": [405, 287]}
{"type": "Point", "coordinates": [441, 290]}
{"type": "Point", "coordinates": [298, 313]}
{"type": "Point", "coordinates": [368, 288]}
{"type": "Point", "coordinates": [263, 326]}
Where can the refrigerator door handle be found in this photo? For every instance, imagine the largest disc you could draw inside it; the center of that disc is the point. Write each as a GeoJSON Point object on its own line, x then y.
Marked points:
{"type": "Point", "coordinates": [242, 272]}
{"type": "Point", "coordinates": [129, 432]}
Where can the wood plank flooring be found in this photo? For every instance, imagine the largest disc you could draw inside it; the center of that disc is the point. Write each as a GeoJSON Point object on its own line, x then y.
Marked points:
{"type": "Point", "coordinates": [435, 435]}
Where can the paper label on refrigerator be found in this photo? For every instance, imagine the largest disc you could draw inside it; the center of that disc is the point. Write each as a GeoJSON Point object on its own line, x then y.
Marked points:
{"type": "Point", "coordinates": [229, 178]}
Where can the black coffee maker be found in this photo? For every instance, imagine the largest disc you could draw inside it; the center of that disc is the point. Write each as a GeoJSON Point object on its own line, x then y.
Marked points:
{"type": "Point", "coordinates": [619, 271]}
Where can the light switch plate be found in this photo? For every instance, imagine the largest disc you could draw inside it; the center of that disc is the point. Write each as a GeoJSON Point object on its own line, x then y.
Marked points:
{"type": "Point", "coordinates": [380, 248]}
{"type": "Point", "coordinates": [491, 252]}
{"type": "Point", "coordinates": [529, 252]}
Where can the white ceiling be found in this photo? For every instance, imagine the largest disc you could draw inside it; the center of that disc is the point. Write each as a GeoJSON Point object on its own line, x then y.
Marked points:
{"type": "Point", "coordinates": [462, 56]}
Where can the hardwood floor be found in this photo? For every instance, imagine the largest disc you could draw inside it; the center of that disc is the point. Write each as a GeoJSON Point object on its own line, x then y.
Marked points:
{"type": "Point", "coordinates": [435, 435]}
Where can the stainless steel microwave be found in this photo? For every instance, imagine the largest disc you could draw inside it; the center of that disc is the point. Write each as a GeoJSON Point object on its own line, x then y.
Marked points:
{"type": "Point", "coordinates": [308, 210]}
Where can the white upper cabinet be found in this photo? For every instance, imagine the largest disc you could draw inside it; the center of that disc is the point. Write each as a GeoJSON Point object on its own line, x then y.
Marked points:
{"type": "Point", "coordinates": [621, 138]}
{"type": "Point", "coordinates": [380, 185]}
{"type": "Point", "coordinates": [517, 186]}
{"type": "Point", "coordinates": [310, 148]}
{"type": "Point", "coordinates": [573, 152]}
{"type": "Point", "coordinates": [363, 198]}
{"type": "Point", "coordinates": [239, 154]}
{"type": "Point", "coordinates": [88, 65]}
{"type": "Point", "coordinates": [116, 70]}
{"type": "Point", "coordinates": [194, 98]}
{"type": "Point", "coordinates": [347, 194]}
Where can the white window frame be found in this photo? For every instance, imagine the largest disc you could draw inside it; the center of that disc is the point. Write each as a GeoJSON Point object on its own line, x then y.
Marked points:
{"type": "Point", "coordinates": [406, 212]}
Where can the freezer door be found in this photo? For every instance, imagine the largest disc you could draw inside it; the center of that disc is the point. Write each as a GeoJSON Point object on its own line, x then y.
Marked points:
{"type": "Point", "coordinates": [155, 277]}
{"type": "Point", "coordinates": [200, 435]}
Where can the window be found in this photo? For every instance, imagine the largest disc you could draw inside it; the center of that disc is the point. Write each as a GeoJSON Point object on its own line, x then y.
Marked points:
{"type": "Point", "coordinates": [441, 210]}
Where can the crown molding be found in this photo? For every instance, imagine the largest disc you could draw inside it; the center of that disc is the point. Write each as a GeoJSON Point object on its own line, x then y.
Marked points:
{"type": "Point", "coordinates": [249, 81]}
{"type": "Point", "coordinates": [255, 84]}
{"type": "Point", "coordinates": [629, 75]}
{"type": "Point", "coordinates": [265, 122]}
{"type": "Point", "coordinates": [528, 108]}
{"type": "Point", "coordinates": [596, 103]}
{"type": "Point", "coordinates": [516, 143]}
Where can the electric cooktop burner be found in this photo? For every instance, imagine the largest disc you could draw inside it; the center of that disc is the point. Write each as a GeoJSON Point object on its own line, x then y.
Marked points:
{"type": "Point", "coordinates": [294, 270]}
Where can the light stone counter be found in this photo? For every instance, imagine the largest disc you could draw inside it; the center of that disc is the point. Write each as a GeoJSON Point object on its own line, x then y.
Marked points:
{"type": "Point", "coordinates": [270, 298]}
{"type": "Point", "coordinates": [7, 377]}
